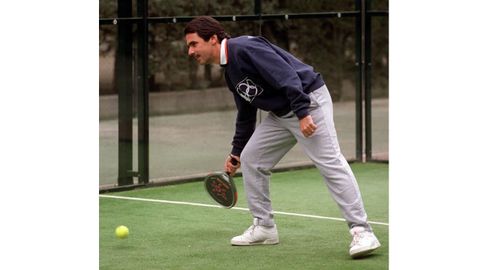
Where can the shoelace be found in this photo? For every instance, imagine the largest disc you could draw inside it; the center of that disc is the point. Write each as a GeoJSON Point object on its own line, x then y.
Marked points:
{"type": "Point", "coordinates": [250, 230]}
{"type": "Point", "coordinates": [252, 227]}
{"type": "Point", "coordinates": [357, 237]}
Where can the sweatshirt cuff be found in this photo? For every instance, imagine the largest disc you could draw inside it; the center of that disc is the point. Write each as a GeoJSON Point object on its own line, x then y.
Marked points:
{"type": "Point", "coordinates": [236, 151]}
{"type": "Point", "coordinates": [302, 113]}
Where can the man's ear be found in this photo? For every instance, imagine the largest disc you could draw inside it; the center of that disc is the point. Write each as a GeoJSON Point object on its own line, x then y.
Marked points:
{"type": "Point", "coordinates": [214, 39]}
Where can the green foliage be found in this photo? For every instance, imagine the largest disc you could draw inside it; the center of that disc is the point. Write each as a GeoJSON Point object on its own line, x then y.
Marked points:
{"type": "Point", "coordinates": [328, 44]}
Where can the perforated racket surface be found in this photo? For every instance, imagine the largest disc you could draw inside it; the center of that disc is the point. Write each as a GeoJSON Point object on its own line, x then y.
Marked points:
{"type": "Point", "coordinates": [221, 188]}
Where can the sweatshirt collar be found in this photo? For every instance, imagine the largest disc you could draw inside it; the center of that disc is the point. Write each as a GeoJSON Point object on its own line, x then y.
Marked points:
{"type": "Point", "coordinates": [223, 53]}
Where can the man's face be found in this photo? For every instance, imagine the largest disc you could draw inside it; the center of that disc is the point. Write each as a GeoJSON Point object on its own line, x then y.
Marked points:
{"type": "Point", "coordinates": [199, 49]}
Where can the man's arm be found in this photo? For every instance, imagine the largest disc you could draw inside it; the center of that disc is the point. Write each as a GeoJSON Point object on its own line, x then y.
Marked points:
{"type": "Point", "coordinates": [244, 126]}
{"type": "Point", "coordinates": [277, 72]}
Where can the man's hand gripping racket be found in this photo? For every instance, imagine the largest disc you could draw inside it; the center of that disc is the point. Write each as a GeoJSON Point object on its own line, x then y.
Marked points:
{"type": "Point", "coordinates": [220, 185]}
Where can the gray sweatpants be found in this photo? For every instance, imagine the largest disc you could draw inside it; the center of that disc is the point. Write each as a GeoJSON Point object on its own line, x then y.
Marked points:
{"type": "Point", "coordinates": [275, 136]}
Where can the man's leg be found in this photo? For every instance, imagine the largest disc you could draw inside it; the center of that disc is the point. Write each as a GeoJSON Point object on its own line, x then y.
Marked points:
{"type": "Point", "coordinates": [323, 149]}
{"type": "Point", "coordinates": [268, 144]}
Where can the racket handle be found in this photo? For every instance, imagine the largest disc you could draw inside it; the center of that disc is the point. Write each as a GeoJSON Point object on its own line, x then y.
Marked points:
{"type": "Point", "coordinates": [233, 161]}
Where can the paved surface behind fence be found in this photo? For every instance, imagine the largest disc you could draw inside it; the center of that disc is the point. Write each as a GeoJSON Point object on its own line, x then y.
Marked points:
{"type": "Point", "coordinates": [192, 144]}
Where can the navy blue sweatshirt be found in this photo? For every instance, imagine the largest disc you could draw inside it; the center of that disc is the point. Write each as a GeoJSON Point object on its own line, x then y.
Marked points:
{"type": "Point", "coordinates": [263, 76]}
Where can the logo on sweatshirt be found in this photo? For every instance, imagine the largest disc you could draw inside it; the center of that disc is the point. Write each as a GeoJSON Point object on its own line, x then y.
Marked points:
{"type": "Point", "coordinates": [248, 90]}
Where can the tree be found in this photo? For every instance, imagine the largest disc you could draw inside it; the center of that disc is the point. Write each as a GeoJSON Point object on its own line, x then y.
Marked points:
{"type": "Point", "coordinates": [328, 44]}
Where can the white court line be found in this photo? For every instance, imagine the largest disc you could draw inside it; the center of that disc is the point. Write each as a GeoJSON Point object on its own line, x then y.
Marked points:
{"type": "Point", "coordinates": [234, 208]}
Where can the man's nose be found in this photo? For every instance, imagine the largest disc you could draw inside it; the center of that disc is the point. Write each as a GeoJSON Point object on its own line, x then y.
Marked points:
{"type": "Point", "coordinates": [190, 51]}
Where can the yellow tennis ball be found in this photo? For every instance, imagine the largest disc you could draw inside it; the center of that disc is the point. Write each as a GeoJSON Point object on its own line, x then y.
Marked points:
{"type": "Point", "coordinates": [121, 232]}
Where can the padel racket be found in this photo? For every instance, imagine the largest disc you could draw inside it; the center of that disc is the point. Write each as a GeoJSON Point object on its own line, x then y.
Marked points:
{"type": "Point", "coordinates": [220, 186]}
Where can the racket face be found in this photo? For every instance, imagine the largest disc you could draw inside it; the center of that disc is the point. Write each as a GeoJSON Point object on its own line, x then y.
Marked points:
{"type": "Point", "coordinates": [222, 189]}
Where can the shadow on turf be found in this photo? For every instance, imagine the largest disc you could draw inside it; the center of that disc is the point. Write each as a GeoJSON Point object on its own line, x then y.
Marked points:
{"type": "Point", "coordinates": [365, 257]}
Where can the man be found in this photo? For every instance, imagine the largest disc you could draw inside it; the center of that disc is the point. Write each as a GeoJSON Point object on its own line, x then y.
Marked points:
{"type": "Point", "coordinates": [263, 76]}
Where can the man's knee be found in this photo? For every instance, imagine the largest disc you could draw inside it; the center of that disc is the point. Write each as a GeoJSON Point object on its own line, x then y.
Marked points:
{"type": "Point", "coordinates": [248, 156]}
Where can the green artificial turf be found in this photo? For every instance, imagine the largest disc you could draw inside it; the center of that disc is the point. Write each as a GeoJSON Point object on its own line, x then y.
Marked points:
{"type": "Point", "coordinates": [171, 236]}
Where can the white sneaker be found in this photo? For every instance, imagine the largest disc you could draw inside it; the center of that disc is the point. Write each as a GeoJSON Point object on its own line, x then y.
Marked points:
{"type": "Point", "coordinates": [257, 235]}
{"type": "Point", "coordinates": [363, 243]}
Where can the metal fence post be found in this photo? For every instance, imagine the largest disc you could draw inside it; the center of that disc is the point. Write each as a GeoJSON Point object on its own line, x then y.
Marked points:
{"type": "Point", "coordinates": [257, 9]}
{"type": "Point", "coordinates": [124, 85]}
{"type": "Point", "coordinates": [142, 84]}
{"type": "Point", "coordinates": [359, 86]}
{"type": "Point", "coordinates": [368, 82]}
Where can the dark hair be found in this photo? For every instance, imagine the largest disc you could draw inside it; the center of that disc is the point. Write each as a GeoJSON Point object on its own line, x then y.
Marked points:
{"type": "Point", "coordinates": [206, 27]}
